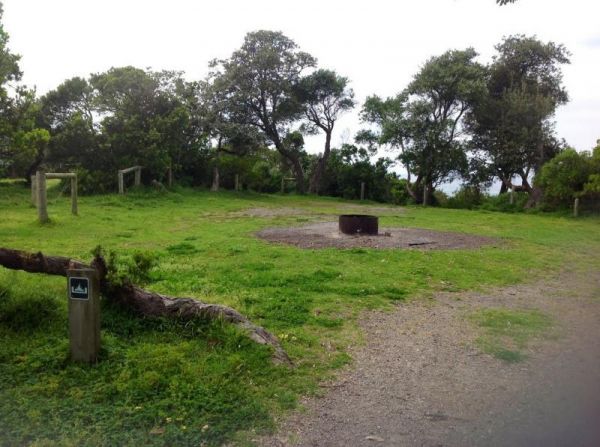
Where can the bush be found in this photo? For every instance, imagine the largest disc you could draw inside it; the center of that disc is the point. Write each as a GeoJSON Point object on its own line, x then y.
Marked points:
{"type": "Point", "coordinates": [131, 268]}
{"type": "Point", "coordinates": [563, 177]}
{"type": "Point", "coordinates": [501, 202]}
{"type": "Point", "coordinates": [467, 197]}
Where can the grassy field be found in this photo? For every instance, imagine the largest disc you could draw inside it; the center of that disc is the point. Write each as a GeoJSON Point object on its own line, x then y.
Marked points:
{"type": "Point", "coordinates": [168, 383]}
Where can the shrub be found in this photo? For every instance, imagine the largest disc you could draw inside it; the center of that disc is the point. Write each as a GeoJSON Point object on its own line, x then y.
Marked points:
{"type": "Point", "coordinates": [501, 202]}
{"type": "Point", "coordinates": [563, 177]}
{"type": "Point", "coordinates": [467, 197]}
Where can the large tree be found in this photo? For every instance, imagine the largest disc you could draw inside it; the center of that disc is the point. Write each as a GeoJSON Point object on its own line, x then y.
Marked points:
{"type": "Point", "coordinates": [258, 82]}
{"type": "Point", "coordinates": [425, 121]}
{"type": "Point", "coordinates": [22, 144]}
{"type": "Point", "coordinates": [227, 136]}
{"type": "Point", "coordinates": [513, 132]}
{"type": "Point", "coordinates": [325, 96]}
{"type": "Point", "coordinates": [122, 117]}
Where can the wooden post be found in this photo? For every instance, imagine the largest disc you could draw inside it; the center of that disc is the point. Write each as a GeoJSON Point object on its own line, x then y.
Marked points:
{"type": "Point", "coordinates": [237, 182]}
{"type": "Point", "coordinates": [42, 203]}
{"type": "Point", "coordinates": [83, 292]}
{"type": "Point", "coordinates": [282, 185]}
{"type": "Point", "coordinates": [170, 176]}
{"type": "Point", "coordinates": [512, 196]}
{"type": "Point", "coordinates": [33, 190]}
{"type": "Point", "coordinates": [121, 187]}
{"type": "Point", "coordinates": [362, 190]}
{"type": "Point", "coordinates": [138, 176]}
{"type": "Point", "coordinates": [576, 207]}
{"type": "Point", "coordinates": [74, 195]}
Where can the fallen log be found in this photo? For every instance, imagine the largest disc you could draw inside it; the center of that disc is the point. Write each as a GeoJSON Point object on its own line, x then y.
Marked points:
{"type": "Point", "coordinates": [142, 302]}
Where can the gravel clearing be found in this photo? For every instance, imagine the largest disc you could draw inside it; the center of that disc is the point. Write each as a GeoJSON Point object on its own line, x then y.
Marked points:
{"type": "Point", "coordinates": [326, 235]}
{"type": "Point", "coordinates": [421, 381]}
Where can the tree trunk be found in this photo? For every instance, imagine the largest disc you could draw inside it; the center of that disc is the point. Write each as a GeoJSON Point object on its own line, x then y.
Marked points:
{"type": "Point", "coordinates": [215, 180]}
{"type": "Point", "coordinates": [140, 301]}
{"type": "Point", "coordinates": [535, 197]}
{"type": "Point", "coordinates": [315, 181]}
{"type": "Point", "coordinates": [413, 191]}
{"type": "Point", "coordinates": [298, 174]}
{"type": "Point", "coordinates": [427, 188]}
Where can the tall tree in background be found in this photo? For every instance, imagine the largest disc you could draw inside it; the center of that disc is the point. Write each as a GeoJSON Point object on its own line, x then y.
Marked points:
{"type": "Point", "coordinates": [228, 136]}
{"type": "Point", "coordinates": [122, 117]}
{"type": "Point", "coordinates": [426, 120]}
{"type": "Point", "coordinates": [67, 112]}
{"type": "Point", "coordinates": [258, 82]}
{"type": "Point", "coordinates": [23, 145]}
{"type": "Point", "coordinates": [325, 96]}
{"type": "Point", "coordinates": [512, 126]}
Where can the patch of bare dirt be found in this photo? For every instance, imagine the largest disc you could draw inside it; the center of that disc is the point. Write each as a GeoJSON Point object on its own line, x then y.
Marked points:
{"type": "Point", "coordinates": [271, 212]}
{"type": "Point", "coordinates": [326, 234]}
{"type": "Point", "coordinates": [421, 381]}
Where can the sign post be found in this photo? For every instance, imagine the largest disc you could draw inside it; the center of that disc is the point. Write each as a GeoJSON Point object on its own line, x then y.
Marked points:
{"type": "Point", "coordinates": [84, 314]}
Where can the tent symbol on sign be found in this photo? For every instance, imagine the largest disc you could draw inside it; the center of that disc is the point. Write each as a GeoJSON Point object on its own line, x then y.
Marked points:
{"type": "Point", "coordinates": [79, 288]}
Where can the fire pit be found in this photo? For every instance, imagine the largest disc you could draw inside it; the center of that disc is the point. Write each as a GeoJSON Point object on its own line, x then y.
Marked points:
{"type": "Point", "coordinates": [358, 224]}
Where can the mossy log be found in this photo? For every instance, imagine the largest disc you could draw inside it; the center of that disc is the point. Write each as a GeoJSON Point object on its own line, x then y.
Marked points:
{"type": "Point", "coordinates": [139, 301]}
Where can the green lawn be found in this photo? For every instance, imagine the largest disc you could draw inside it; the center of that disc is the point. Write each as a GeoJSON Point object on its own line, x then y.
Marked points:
{"type": "Point", "coordinates": [170, 383]}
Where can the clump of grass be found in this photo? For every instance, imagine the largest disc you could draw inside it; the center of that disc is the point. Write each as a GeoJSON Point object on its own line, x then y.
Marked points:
{"type": "Point", "coordinates": [183, 248]}
{"type": "Point", "coordinates": [27, 309]}
{"type": "Point", "coordinates": [506, 332]}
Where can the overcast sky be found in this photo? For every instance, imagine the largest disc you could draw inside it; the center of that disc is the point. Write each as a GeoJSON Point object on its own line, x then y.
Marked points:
{"type": "Point", "coordinates": [378, 44]}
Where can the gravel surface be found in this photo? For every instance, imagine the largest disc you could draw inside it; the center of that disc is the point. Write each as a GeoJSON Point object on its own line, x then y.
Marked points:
{"type": "Point", "coordinates": [421, 381]}
{"type": "Point", "coordinates": [326, 234]}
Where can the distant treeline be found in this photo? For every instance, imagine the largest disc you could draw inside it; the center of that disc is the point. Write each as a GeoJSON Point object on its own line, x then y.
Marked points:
{"type": "Point", "coordinates": [456, 119]}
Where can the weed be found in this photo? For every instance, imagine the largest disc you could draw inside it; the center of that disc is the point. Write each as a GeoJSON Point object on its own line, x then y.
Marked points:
{"type": "Point", "coordinates": [507, 332]}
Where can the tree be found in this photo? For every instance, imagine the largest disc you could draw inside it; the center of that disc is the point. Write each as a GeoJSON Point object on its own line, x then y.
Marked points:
{"type": "Point", "coordinates": [122, 117]}
{"type": "Point", "coordinates": [13, 109]}
{"type": "Point", "coordinates": [512, 127]}
{"type": "Point", "coordinates": [230, 138]}
{"type": "Point", "coordinates": [325, 96]}
{"type": "Point", "coordinates": [257, 83]}
{"type": "Point", "coordinates": [67, 112]}
{"type": "Point", "coordinates": [425, 121]}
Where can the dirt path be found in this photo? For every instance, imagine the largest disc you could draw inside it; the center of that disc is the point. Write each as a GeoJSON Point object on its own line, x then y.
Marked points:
{"type": "Point", "coordinates": [420, 380]}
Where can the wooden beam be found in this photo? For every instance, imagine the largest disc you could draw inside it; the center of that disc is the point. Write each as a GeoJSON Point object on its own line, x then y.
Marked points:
{"type": "Point", "coordinates": [60, 175]}
{"type": "Point", "coordinates": [131, 169]}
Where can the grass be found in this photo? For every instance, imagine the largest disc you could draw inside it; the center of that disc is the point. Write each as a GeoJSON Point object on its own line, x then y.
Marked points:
{"type": "Point", "coordinates": [172, 383]}
{"type": "Point", "coordinates": [507, 333]}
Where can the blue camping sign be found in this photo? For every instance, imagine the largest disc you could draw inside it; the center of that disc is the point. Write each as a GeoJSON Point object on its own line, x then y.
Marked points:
{"type": "Point", "coordinates": [79, 288]}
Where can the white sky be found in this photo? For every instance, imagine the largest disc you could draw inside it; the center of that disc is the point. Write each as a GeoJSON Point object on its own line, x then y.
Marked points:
{"type": "Point", "coordinates": [378, 44]}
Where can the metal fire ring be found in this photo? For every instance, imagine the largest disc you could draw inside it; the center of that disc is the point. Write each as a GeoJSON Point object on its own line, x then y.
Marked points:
{"type": "Point", "coordinates": [358, 224]}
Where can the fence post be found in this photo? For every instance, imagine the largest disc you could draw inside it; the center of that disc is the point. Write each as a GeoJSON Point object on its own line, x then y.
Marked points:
{"type": "Point", "coordinates": [237, 182]}
{"type": "Point", "coordinates": [121, 188]}
{"type": "Point", "coordinates": [282, 185]}
{"type": "Point", "coordinates": [576, 207]}
{"type": "Point", "coordinates": [362, 190]}
{"type": "Point", "coordinates": [42, 203]}
{"type": "Point", "coordinates": [74, 195]}
{"type": "Point", "coordinates": [138, 176]}
{"type": "Point", "coordinates": [84, 314]}
{"type": "Point", "coordinates": [33, 190]}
